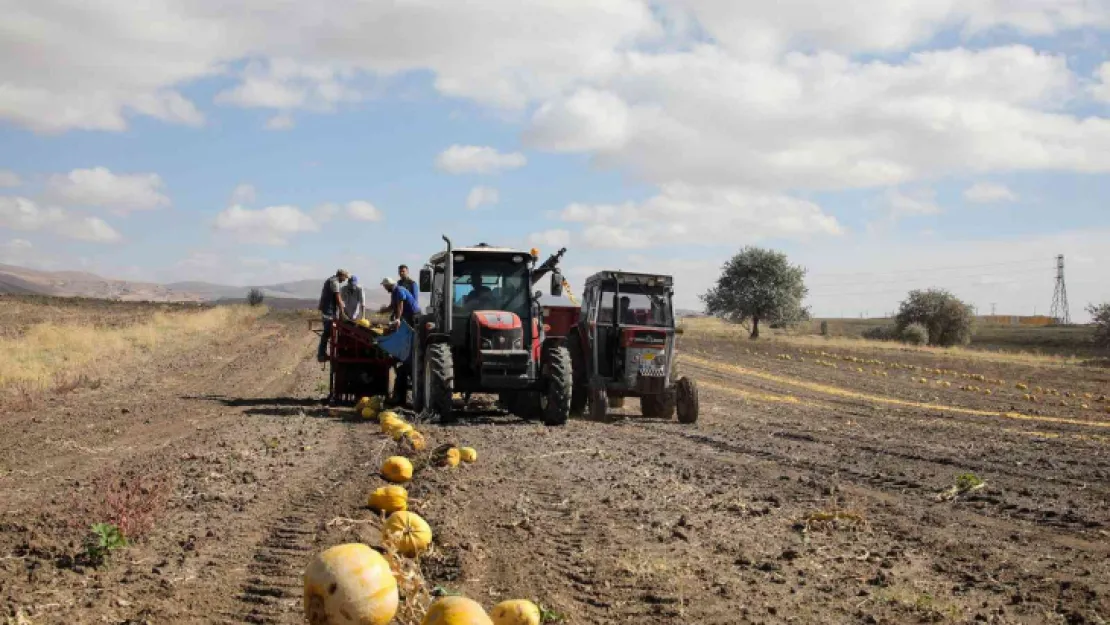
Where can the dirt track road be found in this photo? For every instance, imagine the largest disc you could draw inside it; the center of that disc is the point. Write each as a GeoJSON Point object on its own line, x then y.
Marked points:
{"type": "Point", "coordinates": [636, 521]}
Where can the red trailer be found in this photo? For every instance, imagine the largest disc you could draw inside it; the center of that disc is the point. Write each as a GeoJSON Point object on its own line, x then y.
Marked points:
{"type": "Point", "coordinates": [358, 366]}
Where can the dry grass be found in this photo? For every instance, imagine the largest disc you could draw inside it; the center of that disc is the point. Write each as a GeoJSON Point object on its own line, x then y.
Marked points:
{"type": "Point", "coordinates": [133, 500]}
{"type": "Point", "coordinates": [57, 356]}
{"type": "Point", "coordinates": [712, 328]}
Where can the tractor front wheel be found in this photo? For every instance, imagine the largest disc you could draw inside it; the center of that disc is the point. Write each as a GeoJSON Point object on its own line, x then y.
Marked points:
{"type": "Point", "coordinates": [439, 373]}
{"type": "Point", "coordinates": [557, 397]}
{"type": "Point", "coordinates": [686, 396]}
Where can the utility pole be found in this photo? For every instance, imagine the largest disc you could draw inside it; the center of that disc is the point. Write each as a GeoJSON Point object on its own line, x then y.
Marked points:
{"type": "Point", "coordinates": [993, 309]}
{"type": "Point", "coordinates": [1061, 312]}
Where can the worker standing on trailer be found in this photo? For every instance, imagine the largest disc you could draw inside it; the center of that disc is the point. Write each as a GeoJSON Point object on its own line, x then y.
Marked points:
{"type": "Point", "coordinates": [354, 299]}
{"type": "Point", "coordinates": [331, 307]}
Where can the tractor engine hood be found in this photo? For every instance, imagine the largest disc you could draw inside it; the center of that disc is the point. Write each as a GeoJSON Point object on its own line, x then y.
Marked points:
{"type": "Point", "coordinates": [497, 341]}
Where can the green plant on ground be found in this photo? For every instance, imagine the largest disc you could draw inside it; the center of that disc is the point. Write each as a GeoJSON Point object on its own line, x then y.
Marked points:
{"type": "Point", "coordinates": [947, 320]}
{"type": "Point", "coordinates": [915, 334]}
{"type": "Point", "coordinates": [968, 481]}
{"type": "Point", "coordinates": [103, 539]}
{"type": "Point", "coordinates": [548, 615]}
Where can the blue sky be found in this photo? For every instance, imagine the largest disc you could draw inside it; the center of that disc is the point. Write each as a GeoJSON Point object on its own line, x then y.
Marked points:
{"type": "Point", "coordinates": [932, 144]}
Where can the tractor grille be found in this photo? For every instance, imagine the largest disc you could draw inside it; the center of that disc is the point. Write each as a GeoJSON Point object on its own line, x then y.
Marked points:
{"type": "Point", "coordinates": [501, 339]}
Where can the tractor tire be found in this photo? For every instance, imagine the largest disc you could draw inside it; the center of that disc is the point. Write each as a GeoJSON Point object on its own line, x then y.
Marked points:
{"type": "Point", "coordinates": [556, 399]}
{"type": "Point", "coordinates": [580, 393]}
{"type": "Point", "coordinates": [599, 405]}
{"type": "Point", "coordinates": [439, 375]}
{"type": "Point", "coordinates": [686, 398]}
{"type": "Point", "coordinates": [660, 406]}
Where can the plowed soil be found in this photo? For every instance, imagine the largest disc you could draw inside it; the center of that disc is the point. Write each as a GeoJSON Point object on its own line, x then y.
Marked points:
{"type": "Point", "coordinates": [804, 494]}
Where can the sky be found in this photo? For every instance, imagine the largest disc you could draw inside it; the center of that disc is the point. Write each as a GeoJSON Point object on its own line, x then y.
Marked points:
{"type": "Point", "coordinates": [883, 145]}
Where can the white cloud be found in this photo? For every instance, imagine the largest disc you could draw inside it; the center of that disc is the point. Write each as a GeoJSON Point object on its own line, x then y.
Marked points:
{"type": "Point", "coordinates": [685, 214]}
{"type": "Point", "coordinates": [281, 121]}
{"type": "Point", "coordinates": [916, 202]}
{"type": "Point", "coordinates": [474, 159]}
{"type": "Point", "coordinates": [325, 212]}
{"type": "Point", "coordinates": [22, 214]}
{"type": "Point", "coordinates": [9, 179]}
{"type": "Point", "coordinates": [243, 194]}
{"type": "Point", "coordinates": [273, 225]}
{"type": "Point", "coordinates": [362, 210]}
{"type": "Point", "coordinates": [587, 121]}
{"type": "Point", "coordinates": [482, 196]}
{"type": "Point", "coordinates": [987, 192]}
{"type": "Point", "coordinates": [16, 251]}
{"type": "Point", "coordinates": [99, 187]}
{"type": "Point", "coordinates": [555, 238]}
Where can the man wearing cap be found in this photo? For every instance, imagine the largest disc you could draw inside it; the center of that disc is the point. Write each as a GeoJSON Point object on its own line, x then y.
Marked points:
{"type": "Point", "coordinates": [354, 299]}
{"type": "Point", "coordinates": [331, 307]}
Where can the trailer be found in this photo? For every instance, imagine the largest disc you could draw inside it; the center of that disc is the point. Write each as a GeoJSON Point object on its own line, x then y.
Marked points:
{"type": "Point", "coordinates": [357, 364]}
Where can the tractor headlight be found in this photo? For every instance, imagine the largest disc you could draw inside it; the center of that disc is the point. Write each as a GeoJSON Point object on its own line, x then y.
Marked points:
{"type": "Point", "coordinates": [487, 344]}
{"type": "Point", "coordinates": [518, 344]}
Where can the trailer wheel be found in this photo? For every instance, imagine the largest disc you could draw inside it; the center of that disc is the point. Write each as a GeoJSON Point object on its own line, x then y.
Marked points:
{"type": "Point", "coordinates": [580, 392]}
{"type": "Point", "coordinates": [686, 392]}
{"type": "Point", "coordinates": [439, 373]}
{"type": "Point", "coordinates": [661, 406]}
{"type": "Point", "coordinates": [556, 399]}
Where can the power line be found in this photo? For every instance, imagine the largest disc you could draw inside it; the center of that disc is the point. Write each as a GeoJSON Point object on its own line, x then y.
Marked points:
{"type": "Point", "coordinates": [1061, 312]}
{"type": "Point", "coordinates": [923, 269]}
{"type": "Point", "coordinates": [904, 279]}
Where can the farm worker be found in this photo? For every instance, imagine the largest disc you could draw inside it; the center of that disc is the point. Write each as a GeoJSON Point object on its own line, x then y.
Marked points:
{"type": "Point", "coordinates": [402, 305]}
{"type": "Point", "coordinates": [625, 312]}
{"type": "Point", "coordinates": [354, 299]}
{"type": "Point", "coordinates": [331, 306]}
{"type": "Point", "coordinates": [408, 283]}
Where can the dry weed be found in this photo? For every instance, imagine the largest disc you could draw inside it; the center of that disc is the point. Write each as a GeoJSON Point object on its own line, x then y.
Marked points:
{"type": "Point", "coordinates": [133, 500]}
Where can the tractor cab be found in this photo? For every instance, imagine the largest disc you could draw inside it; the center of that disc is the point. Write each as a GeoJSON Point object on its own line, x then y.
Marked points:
{"type": "Point", "coordinates": [624, 346]}
{"type": "Point", "coordinates": [483, 330]}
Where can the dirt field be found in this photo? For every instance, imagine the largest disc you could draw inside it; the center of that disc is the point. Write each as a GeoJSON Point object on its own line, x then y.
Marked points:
{"type": "Point", "coordinates": [805, 494]}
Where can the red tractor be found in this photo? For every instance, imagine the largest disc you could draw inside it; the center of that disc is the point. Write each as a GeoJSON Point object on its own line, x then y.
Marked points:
{"type": "Point", "coordinates": [624, 346]}
{"type": "Point", "coordinates": [483, 332]}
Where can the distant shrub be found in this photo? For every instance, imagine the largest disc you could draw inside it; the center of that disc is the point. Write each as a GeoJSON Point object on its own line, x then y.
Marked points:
{"type": "Point", "coordinates": [824, 328]}
{"type": "Point", "coordinates": [947, 319]}
{"type": "Point", "coordinates": [881, 333]}
{"type": "Point", "coordinates": [255, 297]}
{"type": "Point", "coordinates": [915, 334]}
{"type": "Point", "coordinates": [1100, 316]}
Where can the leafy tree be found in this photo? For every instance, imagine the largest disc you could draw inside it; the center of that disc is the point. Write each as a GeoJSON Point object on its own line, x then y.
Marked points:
{"type": "Point", "coordinates": [255, 297]}
{"type": "Point", "coordinates": [758, 285]}
{"type": "Point", "coordinates": [1100, 315]}
{"type": "Point", "coordinates": [947, 319]}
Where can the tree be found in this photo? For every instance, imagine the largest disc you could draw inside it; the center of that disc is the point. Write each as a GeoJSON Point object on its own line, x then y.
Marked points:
{"type": "Point", "coordinates": [947, 319]}
{"type": "Point", "coordinates": [1100, 316]}
{"type": "Point", "coordinates": [255, 297]}
{"type": "Point", "coordinates": [758, 285]}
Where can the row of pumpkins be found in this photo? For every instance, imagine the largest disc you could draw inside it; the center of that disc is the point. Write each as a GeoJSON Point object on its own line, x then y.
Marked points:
{"type": "Point", "coordinates": [354, 584]}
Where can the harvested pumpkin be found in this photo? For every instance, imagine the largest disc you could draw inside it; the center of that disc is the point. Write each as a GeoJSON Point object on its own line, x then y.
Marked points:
{"type": "Point", "coordinates": [468, 454]}
{"type": "Point", "coordinates": [368, 413]}
{"type": "Point", "coordinates": [406, 531]}
{"type": "Point", "coordinates": [516, 612]}
{"type": "Point", "coordinates": [416, 439]}
{"type": "Point", "coordinates": [450, 457]}
{"type": "Point", "coordinates": [389, 424]}
{"type": "Point", "coordinates": [349, 583]}
{"type": "Point", "coordinates": [387, 415]}
{"type": "Point", "coordinates": [456, 611]}
{"type": "Point", "coordinates": [398, 431]}
{"type": "Point", "coordinates": [362, 403]}
{"type": "Point", "coordinates": [397, 469]}
{"type": "Point", "coordinates": [389, 499]}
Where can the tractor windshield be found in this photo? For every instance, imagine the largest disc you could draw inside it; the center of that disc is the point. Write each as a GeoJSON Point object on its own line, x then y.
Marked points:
{"type": "Point", "coordinates": [636, 305]}
{"type": "Point", "coordinates": [492, 285]}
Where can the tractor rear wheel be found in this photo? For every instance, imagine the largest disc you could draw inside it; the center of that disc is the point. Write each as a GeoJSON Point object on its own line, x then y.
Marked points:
{"type": "Point", "coordinates": [580, 393]}
{"type": "Point", "coordinates": [439, 373]}
{"type": "Point", "coordinates": [686, 396]}
{"type": "Point", "coordinates": [556, 399]}
{"type": "Point", "coordinates": [659, 406]}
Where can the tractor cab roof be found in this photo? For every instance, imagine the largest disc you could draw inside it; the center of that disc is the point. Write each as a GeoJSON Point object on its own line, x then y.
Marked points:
{"type": "Point", "coordinates": [482, 251]}
{"type": "Point", "coordinates": [630, 278]}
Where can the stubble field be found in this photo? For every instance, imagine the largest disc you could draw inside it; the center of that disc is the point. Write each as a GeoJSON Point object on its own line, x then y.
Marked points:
{"type": "Point", "coordinates": [806, 493]}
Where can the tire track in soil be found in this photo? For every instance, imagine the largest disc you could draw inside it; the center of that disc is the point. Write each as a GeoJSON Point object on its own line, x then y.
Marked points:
{"type": "Point", "coordinates": [272, 593]}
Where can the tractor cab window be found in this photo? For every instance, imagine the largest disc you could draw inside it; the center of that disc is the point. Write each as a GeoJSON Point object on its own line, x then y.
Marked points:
{"type": "Point", "coordinates": [492, 285]}
{"type": "Point", "coordinates": [636, 305]}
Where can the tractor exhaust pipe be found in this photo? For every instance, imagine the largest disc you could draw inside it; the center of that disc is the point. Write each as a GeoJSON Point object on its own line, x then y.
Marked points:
{"type": "Point", "coordinates": [448, 286]}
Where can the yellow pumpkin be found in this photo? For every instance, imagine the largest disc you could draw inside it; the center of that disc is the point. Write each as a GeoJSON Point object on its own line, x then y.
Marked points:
{"type": "Point", "coordinates": [406, 531]}
{"type": "Point", "coordinates": [456, 611]}
{"type": "Point", "coordinates": [468, 454]}
{"type": "Point", "coordinates": [362, 403]}
{"type": "Point", "coordinates": [389, 499]}
{"type": "Point", "coordinates": [363, 323]}
{"type": "Point", "coordinates": [386, 415]}
{"type": "Point", "coordinates": [450, 458]}
{"type": "Point", "coordinates": [516, 612]}
{"type": "Point", "coordinates": [368, 413]}
{"type": "Point", "coordinates": [416, 439]}
{"type": "Point", "coordinates": [397, 432]}
{"type": "Point", "coordinates": [397, 469]}
{"type": "Point", "coordinates": [389, 424]}
{"type": "Point", "coordinates": [349, 583]}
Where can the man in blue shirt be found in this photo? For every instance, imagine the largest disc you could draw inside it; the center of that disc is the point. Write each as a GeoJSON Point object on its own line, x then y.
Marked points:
{"type": "Point", "coordinates": [408, 283]}
{"type": "Point", "coordinates": [402, 304]}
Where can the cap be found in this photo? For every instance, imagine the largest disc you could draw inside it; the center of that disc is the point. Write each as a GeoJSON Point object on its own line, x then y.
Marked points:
{"type": "Point", "coordinates": [354, 279]}
{"type": "Point", "coordinates": [387, 282]}
{"type": "Point", "coordinates": [342, 272]}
